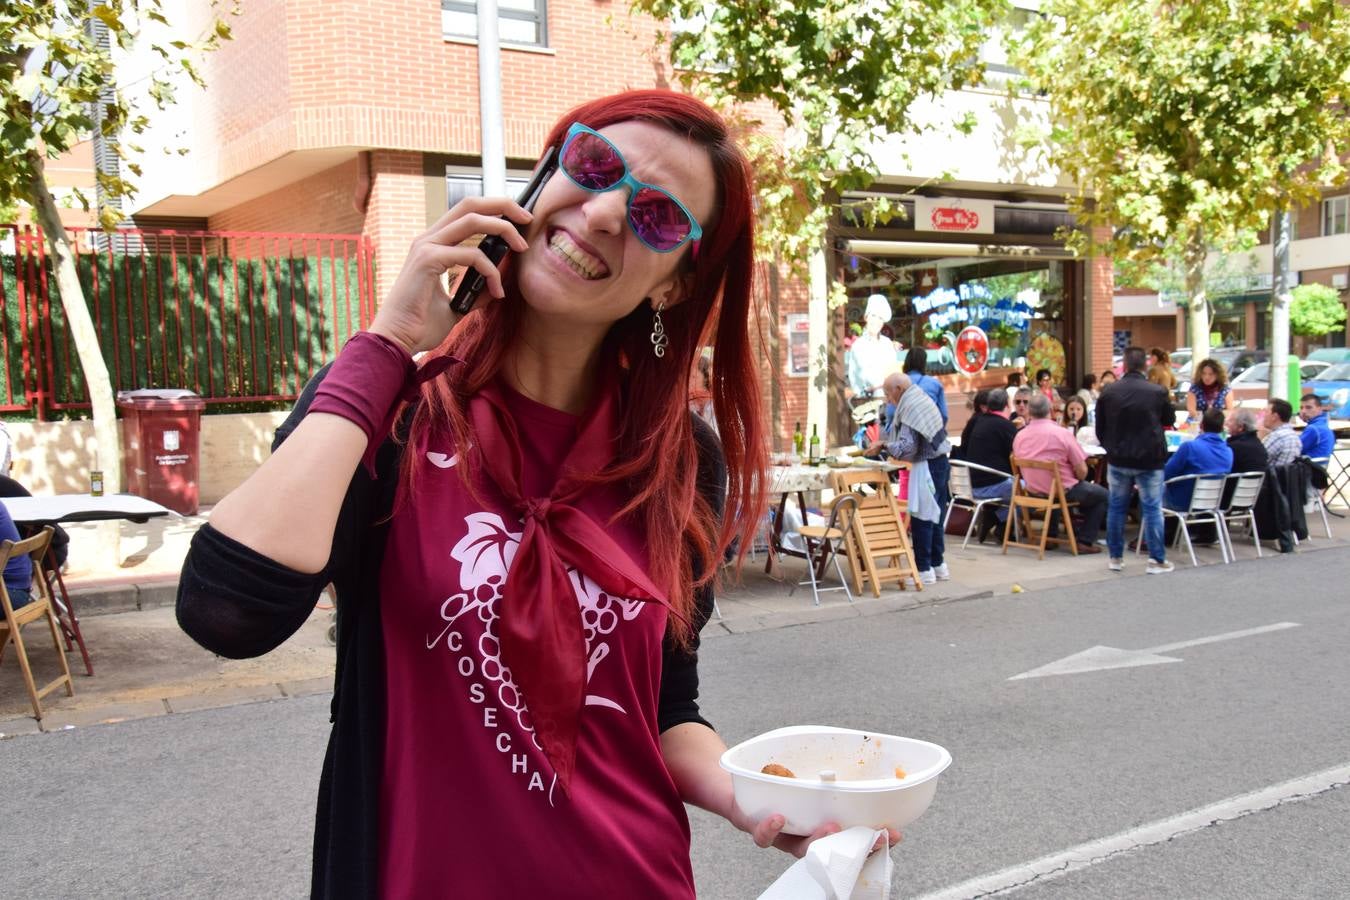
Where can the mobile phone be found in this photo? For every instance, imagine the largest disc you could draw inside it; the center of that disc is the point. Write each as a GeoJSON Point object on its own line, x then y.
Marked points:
{"type": "Point", "coordinates": [494, 247]}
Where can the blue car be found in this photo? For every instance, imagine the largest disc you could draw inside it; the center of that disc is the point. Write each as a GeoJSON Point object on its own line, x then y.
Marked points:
{"type": "Point", "coordinates": [1333, 386]}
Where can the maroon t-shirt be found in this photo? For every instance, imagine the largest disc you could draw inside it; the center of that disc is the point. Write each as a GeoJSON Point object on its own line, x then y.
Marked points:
{"type": "Point", "coordinates": [469, 806]}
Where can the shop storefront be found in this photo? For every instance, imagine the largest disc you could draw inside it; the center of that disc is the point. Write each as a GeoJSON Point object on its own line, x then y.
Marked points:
{"type": "Point", "coordinates": [982, 283]}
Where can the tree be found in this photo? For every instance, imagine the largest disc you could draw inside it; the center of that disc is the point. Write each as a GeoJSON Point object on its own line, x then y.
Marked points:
{"type": "Point", "coordinates": [57, 87]}
{"type": "Point", "coordinates": [840, 74]}
{"type": "Point", "coordinates": [1187, 123]}
{"type": "Point", "coordinates": [1316, 310]}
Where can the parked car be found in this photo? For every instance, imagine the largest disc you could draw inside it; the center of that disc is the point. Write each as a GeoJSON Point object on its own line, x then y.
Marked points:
{"type": "Point", "coordinates": [1331, 354]}
{"type": "Point", "coordinates": [1252, 387]}
{"type": "Point", "coordinates": [1181, 363]}
{"type": "Point", "coordinates": [1334, 386]}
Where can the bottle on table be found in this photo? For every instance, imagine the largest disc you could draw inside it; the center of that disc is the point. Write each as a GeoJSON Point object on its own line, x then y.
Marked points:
{"type": "Point", "coordinates": [799, 441]}
{"type": "Point", "coordinates": [96, 480]}
{"type": "Point", "coordinates": [814, 457]}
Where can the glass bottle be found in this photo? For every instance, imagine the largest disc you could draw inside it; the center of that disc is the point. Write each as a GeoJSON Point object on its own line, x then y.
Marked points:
{"type": "Point", "coordinates": [814, 458]}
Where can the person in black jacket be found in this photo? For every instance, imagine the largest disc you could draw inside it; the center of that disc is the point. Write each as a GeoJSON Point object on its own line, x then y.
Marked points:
{"type": "Point", "coordinates": [987, 441]}
{"type": "Point", "coordinates": [1131, 416]}
{"type": "Point", "coordinates": [1249, 454]}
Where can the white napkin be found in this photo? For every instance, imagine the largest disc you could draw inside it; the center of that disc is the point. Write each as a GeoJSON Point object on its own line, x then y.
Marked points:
{"type": "Point", "coordinates": [838, 868]}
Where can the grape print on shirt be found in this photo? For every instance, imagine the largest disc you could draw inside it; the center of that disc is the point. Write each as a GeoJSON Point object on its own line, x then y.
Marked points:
{"type": "Point", "coordinates": [484, 555]}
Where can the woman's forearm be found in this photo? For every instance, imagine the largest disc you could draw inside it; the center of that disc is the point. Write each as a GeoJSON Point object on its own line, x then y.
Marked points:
{"type": "Point", "coordinates": [288, 509]}
{"type": "Point", "coordinates": [692, 752]}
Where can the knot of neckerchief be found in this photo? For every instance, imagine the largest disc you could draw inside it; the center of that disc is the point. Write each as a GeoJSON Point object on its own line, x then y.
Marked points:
{"type": "Point", "coordinates": [542, 638]}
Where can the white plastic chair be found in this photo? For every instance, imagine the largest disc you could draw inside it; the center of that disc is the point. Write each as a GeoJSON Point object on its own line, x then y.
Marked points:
{"type": "Point", "coordinates": [1241, 505]}
{"type": "Point", "coordinates": [963, 494]}
{"type": "Point", "coordinates": [1316, 500]}
{"type": "Point", "coordinates": [1206, 508]}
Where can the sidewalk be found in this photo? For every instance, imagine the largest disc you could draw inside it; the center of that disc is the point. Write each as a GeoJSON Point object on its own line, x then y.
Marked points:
{"type": "Point", "coordinates": [145, 666]}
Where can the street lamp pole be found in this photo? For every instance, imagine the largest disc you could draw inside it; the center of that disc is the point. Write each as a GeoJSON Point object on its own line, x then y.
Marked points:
{"type": "Point", "coordinates": [490, 101]}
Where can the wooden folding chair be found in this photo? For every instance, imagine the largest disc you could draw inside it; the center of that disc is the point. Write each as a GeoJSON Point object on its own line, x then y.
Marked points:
{"type": "Point", "coordinates": [1027, 503]}
{"type": "Point", "coordinates": [41, 605]}
{"type": "Point", "coordinates": [877, 545]}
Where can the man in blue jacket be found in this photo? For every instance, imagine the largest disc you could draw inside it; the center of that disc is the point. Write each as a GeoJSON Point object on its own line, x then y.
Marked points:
{"type": "Point", "coordinates": [1208, 454]}
{"type": "Point", "coordinates": [1318, 439]}
{"type": "Point", "coordinates": [916, 362]}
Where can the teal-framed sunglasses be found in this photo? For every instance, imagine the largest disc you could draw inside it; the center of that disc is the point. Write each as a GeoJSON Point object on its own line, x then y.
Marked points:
{"type": "Point", "coordinates": [656, 216]}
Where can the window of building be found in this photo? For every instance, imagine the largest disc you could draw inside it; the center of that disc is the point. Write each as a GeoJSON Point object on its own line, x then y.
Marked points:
{"type": "Point", "coordinates": [1336, 215]}
{"type": "Point", "coordinates": [518, 21]}
{"type": "Point", "coordinates": [461, 182]}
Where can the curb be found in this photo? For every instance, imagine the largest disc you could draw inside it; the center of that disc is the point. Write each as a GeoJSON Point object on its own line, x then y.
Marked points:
{"type": "Point", "coordinates": [900, 602]}
{"type": "Point", "coordinates": [94, 601]}
{"type": "Point", "coordinates": [113, 713]}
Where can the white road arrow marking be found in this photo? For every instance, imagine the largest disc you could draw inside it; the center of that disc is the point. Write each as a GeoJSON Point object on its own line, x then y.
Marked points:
{"type": "Point", "coordinates": [1099, 657]}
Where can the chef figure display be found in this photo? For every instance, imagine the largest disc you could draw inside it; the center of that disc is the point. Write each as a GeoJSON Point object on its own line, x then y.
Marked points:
{"type": "Point", "coordinates": [872, 356]}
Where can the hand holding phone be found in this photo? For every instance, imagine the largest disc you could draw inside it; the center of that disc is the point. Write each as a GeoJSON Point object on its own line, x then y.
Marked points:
{"type": "Point", "coordinates": [494, 247]}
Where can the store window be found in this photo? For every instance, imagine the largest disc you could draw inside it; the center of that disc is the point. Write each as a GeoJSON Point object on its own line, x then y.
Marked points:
{"type": "Point", "coordinates": [1336, 215]}
{"type": "Point", "coordinates": [463, 182]}
{"type": "Point", "coordinates": [518, 21]}
{"type": "Point", "coordinates": [1018, 303]}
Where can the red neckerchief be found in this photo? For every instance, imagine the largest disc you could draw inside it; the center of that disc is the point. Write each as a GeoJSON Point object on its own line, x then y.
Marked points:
{"type": "Point", "coordinates": [542, 639]}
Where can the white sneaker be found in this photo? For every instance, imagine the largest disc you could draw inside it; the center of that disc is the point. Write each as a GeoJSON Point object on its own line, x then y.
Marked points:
{"type": "Point", "coordinates": [1159, 568]}
{"type": "Point", "coordinates": [942, 572]}
{"type": "Point", "coordinates": [1115, 565]}
{"type": "Point", "coordinates": [927, 576]}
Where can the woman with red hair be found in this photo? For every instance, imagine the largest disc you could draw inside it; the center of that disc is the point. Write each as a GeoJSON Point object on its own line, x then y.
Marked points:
{"type": "Point", "coordinates": [523, 528]}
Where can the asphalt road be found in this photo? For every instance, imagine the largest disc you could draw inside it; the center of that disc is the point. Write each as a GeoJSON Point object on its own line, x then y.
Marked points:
{"type": "Point", "coordinates": [218, 803]}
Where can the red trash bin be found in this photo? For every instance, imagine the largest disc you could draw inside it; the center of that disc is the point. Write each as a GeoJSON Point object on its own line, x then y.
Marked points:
{"type": "Point", "coordinates": [161, 447]}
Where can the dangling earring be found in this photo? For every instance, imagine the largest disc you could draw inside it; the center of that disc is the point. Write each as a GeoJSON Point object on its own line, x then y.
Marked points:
{"type": "Point", "coordinates": [659, 339]}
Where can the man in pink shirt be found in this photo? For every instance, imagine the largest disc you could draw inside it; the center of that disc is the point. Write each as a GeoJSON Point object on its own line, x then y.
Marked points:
{"type": "Point", "coordinates": [1044, 440]}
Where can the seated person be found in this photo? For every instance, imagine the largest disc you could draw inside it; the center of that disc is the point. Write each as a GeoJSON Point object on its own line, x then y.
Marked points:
{"type": "Point", "coordinates": [1208, 454]}
{"type": "Point", "coordinates": [988, 441]}
{"type": "Point", "coordinates": [1042, 439]}
{"type": "Point", "coordinates": [1317, 439]}
{"type": "Point", "coordinates": [60, 540]}
{"type": "Point", "coordinates": [1282, 443]}
{"type": "Point", "coordinates": [1019, 408]}
{"type": "Point", "coordinates": [19, 570]}
{"type": "Point", "coordinates": [1249, 454]}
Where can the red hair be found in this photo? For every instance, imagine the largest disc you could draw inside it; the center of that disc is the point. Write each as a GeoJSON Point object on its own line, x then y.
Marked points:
{"type": "Point", "coordinates": [658, 457]}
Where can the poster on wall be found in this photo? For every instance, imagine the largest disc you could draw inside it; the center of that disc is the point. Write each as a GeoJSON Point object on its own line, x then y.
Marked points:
{"type": "Point", "coordinates": [798, 344]}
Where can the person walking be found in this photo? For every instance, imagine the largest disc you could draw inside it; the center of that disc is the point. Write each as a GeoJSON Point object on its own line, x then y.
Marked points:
{"type": "Point", "coordinates": [1131, 416]}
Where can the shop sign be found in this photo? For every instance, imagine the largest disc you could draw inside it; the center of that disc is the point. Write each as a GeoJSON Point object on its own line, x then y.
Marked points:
{"type": "Point", "coordinates": [954, 214]}
{"type": "Point", "coordinates": [944, 310]}
{"type": "Point", "coordinates": [972, 350]}
{"type": "Point", "coordinates": [799, 344]}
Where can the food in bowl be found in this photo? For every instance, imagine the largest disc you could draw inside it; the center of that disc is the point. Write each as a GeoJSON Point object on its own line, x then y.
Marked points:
{"type": "Point", "coordinates": [776, 769]}
{"type": "Point", "coordinates": [877, 780]}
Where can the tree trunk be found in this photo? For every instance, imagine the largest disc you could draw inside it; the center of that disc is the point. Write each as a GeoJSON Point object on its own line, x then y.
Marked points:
{"type": "Point", "coordinates": [108, 455]}
{"type": "Point", "coordinates": [1279, 308]}
{"type": "Point", "coordinates": [775, 354]}
{"type": "Point", "coordinates": [1195, 253]}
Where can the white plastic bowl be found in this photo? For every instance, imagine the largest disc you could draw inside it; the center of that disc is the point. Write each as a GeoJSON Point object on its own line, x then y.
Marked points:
{"type": "Point", "coordinates": [866, 790]}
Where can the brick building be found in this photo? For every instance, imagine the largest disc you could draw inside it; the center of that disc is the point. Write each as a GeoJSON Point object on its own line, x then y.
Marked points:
{"type": "Point", "coordinates": [363, 118]}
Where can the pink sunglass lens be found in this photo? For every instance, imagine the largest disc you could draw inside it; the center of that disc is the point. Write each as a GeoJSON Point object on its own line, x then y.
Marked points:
{"type": "Point", "coordinates": [658, 220]}
{"type": "Point", "coordinates": [592, 163]}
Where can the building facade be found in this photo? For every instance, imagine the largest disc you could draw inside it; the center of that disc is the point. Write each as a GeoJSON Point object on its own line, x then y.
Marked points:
{"type": "Point", "coordinates": [347, 118]}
